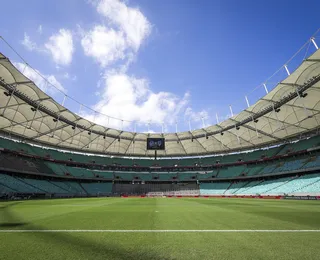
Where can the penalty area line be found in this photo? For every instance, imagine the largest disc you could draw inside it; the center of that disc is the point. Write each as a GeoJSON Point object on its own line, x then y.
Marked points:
{"type": "Point", "coordinates": [158, 231]}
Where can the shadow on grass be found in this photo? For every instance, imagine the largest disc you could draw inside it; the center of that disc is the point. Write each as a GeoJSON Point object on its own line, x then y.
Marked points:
{"type": "Point", "coordinates": [87, 248]}
{"type": "Point", "coordinates": [8, 218]}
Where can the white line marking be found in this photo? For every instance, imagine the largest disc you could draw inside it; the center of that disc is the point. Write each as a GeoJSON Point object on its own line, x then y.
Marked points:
{"type": "Point", "coordinates": [157, 231]}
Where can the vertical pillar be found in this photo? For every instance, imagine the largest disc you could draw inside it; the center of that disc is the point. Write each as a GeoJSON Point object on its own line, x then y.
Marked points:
{"type": "Point", "coordinates": [189, 126]}
{"type": "Point", "coordinates": [314, 43]}
{"type": "Point", "coordinates": [202, 119]}
{"type": "Point", "coordinates": [288, 72]}
{"type": "Point", "coordinates": [231, 110]}
{"type": "Point", "coordinates": [217, 118]}
{"type": "Point", "coordinates": [25, 66]}
{"type": "Point", "coordinates": [247, 101]}
{"type": "Point", "coordinates": [64, 100]}
{"type": "Point", "coordinates": [265, 88]}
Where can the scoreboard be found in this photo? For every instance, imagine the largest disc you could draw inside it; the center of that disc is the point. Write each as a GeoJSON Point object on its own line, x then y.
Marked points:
{"type": "Point", "coordinates": [155, 144]}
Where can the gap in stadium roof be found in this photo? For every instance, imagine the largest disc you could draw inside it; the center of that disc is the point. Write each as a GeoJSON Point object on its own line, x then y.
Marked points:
{"type": "Point", "coordinates": [177, 124]}
{"type": "Point", "coordinates": [194, 143]}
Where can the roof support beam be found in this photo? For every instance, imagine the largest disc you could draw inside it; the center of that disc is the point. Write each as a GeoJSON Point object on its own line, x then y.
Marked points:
{"type": "Point", "coordinates": [283, 122]}
{"type": "Point", "coordinates": [89, 142]}
{"type": "Point", "coordinates": [178, 140]}
{"type": "Point", "coordinates": [126, 150]}
{"type": "Point", "coordinates": [71, 136]}
{"type": "Point", "coordinates": [259, 131]}
{"type": "Point", "coordinates": [49, 132]}
{"type": "Point", "coordinates": [18, 123]}
{"type": "Point", "coordinates": [23, 82]}
{"type": "Point", "coordinates": [109, 145]}
{"type": "Point", "coordinates": [284, 100]}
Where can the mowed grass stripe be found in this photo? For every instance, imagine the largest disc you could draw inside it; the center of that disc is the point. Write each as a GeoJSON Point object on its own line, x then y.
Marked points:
{"type": "Point", "coordinates": [160, 229]}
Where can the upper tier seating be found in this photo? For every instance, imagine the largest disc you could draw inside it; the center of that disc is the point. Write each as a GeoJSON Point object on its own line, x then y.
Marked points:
{"type": "Point", "coordinates": [105, 160]}
{"type": "Point", "coordinates": [312, 162]}
{"type": "Point", "coordinates": [232, 171]}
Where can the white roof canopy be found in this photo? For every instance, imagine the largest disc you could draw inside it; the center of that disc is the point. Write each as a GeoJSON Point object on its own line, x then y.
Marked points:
{"type": "Point", "coordinates": [289, 110]}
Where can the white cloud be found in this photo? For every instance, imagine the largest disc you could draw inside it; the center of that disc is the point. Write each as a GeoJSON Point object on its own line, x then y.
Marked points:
{"type": "Point", "coordinates": [68, 76]}
{"type": "Point", "coordinates": [26, 42]}
{"type": "Point", "coordinates": [131, 99]}
{"type": "Point", "coordinates": [120, 39]}
{"type": "Point", "coordinates": [105, 45]}
{"type": "Point", "coordinates": [196, 119]}
{"type": "Point", "coordinates": [60, 46]}
{"type": "Point", "coordinates": [115, 45]}
{"type": "Point", "coordinates": [195, 116]}
{"type": "Point", "coordinates": [35, 76]}
{"type": "Point", "coordinates": [130, 20]}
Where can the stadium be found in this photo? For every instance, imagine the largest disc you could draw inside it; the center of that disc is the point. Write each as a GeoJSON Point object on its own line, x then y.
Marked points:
{"type": "Point", "coordinates": [247, 187]}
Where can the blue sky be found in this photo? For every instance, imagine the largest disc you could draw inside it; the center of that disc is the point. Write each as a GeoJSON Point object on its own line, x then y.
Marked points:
{"type": "Point", "coordinates": [155, 63]}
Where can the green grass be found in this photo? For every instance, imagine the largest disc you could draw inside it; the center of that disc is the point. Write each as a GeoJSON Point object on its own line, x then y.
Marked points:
{"type": "Point", "coordinates": [160, 214]}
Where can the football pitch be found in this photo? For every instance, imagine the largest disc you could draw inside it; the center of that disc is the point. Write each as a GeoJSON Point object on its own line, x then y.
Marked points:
{"type": "Point", "coordinates": [160, 228]}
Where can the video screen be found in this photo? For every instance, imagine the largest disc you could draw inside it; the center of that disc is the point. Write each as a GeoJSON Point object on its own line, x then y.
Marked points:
{"type": "Point", "coordinates": [155, 144]}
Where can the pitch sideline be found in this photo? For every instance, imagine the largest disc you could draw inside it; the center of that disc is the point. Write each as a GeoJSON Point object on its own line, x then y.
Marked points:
{"type": "Point", "coordinates": [159, 231]}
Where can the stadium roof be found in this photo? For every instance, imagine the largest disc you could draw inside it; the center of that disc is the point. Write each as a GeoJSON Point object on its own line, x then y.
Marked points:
{"type": "Point", "coordinates": [289, 110]}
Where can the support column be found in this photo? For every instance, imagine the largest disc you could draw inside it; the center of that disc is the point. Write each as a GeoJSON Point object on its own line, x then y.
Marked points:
{"type": "Point", "coordinates": [64, 100]}
{"type": "Point", "coordinates": [247, 101]}
{"type": "Point", "coordinates": [288, 72]}
{"type": "Point", "coordinates": [217, 118]}
{"type": "Point", "coordinates": [265, 88]}
{"type": "Point", "coordinates": [314, 43]}
{"type": "Point", "coordinates": [231, 110]}
{"type": "Point", "coordinates": [203, 124]}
